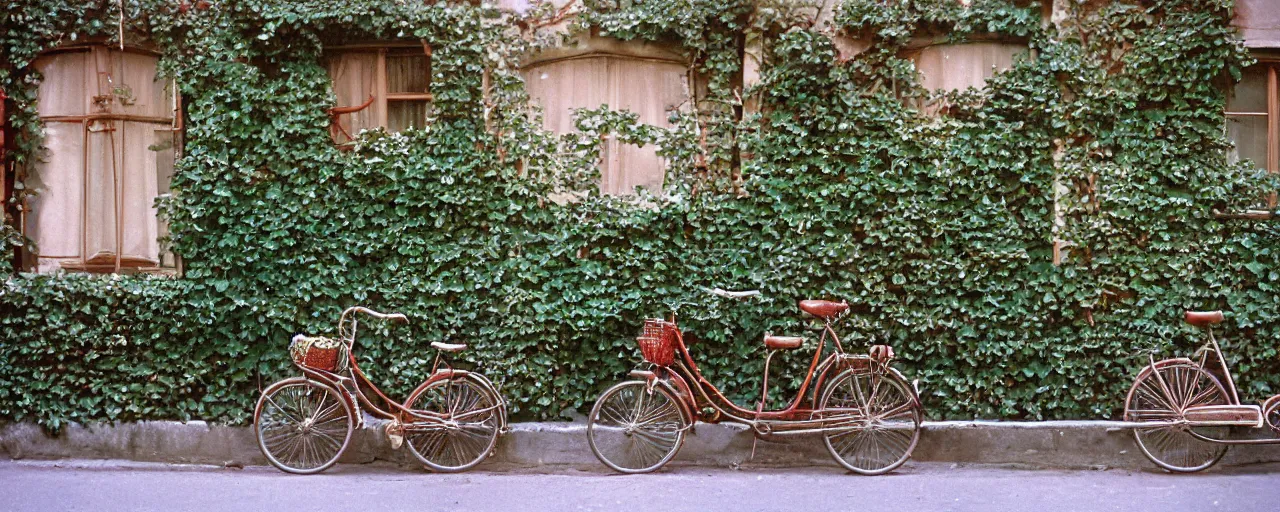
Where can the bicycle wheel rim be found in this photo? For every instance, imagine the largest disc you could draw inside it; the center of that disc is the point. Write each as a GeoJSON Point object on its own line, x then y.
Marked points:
{"type": "Point", "coordinates": [1172, 447]}
{"type": "Point", "coordinates": [885, 440]}
{"type": "Point", "coordinates": [461, 448]}
{"type": "Point", "coordinates": [302, 426]}
{"type": "Point", "coordinates": [631, 430]}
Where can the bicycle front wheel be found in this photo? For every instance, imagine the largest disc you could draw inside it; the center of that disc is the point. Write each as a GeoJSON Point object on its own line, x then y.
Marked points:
{"type": "Point", "coordinates": [472, 415]}
{"type": "Point", "coordinates": [884, 418]}
{"type": "Point", "coordinates": [302, 425]}
{"type": "Point", "coordinates": [636, 429]}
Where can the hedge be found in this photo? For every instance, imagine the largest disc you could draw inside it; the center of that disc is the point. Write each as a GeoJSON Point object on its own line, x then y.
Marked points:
{"type": "Point", "coordinates": [939, 228]}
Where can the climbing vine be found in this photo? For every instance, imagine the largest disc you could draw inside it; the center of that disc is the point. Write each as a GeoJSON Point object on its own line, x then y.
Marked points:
{"type": "Point", "coordinates": [936, 214]}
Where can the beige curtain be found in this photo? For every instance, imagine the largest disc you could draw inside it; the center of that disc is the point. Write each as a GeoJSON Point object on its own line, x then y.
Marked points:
{"type": "Point", "coordinates": [354, 77]}
{"type": "Point", "coordinates": [57, 210]}
{"type": "Point", "coordinates": [649, 88]}
{"type": "Point", "coordinates": [99, 179]}
{"type": "Point", "coordinates": [957, 66]}
{"type": "Point", "coordinates": [64, 91]}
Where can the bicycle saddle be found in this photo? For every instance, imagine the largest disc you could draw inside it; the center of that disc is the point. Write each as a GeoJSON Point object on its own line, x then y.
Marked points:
{"type": "Point", "coordinates": [823, 309]}
{"type": "Point", "coordinates": [1204, 318]}
{"type": "Point", "coordinates": [782, 342]}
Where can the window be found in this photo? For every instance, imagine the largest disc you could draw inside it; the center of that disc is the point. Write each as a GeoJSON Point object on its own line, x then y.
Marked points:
{"type": "Point", "coordinates": [380, 86]}
{"type": "Point", "coordinates": [649, 87]}
{"type": "Point", "coordinates": [1253, 119]}
{"type": "Point", "coordinates": [109, 134]}
{"type": "Point", "coordinates": [950, 67]}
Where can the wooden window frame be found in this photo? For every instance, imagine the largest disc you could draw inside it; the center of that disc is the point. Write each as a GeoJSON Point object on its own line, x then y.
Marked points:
{"type": "Point", "coordinates": [111, 118]}
{"type": "Point", "coordinates": [382, 97]}
{"type": "Point", "coordinates": [1272, 165]}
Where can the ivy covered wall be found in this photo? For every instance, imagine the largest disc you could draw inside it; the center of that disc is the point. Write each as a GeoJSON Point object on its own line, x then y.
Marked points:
{"type": "Point", "coordinates": [939, 228]}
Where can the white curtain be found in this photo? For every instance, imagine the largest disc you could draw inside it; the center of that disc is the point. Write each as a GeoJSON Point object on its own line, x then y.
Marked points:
{"type": "Point", "coordinates": [96, 187]}
{"type": "Point", "coordinates": [649, 88]}
{"type": "Point", "coordinates": [957, 66]}
{"type": "Point", "coordinates": [57, 210]}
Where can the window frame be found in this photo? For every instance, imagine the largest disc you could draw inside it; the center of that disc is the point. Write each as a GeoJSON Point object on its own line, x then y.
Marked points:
{"type": "Point", "coordinates": [1271, 62]}
{"type": "Point", "coordinates": [381, 97]}
{"type": "Point", "coordinates": [81, 263]}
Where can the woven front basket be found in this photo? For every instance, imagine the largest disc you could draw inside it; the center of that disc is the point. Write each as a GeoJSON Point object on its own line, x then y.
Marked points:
{"type": "Point", "coordinates": [318, 353]}
{"type": "Point", "coordinates": [658, 342]}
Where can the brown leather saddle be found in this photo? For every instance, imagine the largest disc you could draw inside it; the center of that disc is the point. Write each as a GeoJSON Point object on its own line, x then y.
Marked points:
{"type": "Point", "coordinates": [823, 309]}
{"type": "Point", "coordinates": [1204, 318]}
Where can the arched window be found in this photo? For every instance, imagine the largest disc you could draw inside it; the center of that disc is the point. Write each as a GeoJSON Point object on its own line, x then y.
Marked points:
{"type": "Point", "coordinates": [650, 86]}
{"type": "Point", "coordinates": [110, 137]}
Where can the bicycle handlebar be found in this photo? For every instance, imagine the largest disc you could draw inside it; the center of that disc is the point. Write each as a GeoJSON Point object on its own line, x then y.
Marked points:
{"type": "Point", "coordinates": [385, 316]}
{"type": "Point", "coordinates": [732, 294]}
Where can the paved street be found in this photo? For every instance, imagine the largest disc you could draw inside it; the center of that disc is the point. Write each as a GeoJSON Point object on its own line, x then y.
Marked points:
{"type": "Point", "coordinates": [104, 486]}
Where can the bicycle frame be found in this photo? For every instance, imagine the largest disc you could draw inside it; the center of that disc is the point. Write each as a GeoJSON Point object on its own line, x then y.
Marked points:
{"type": "Point", "coordinates": [350, 384]}
{"type": "Point", "coordinates": [794, 418]}
{"type": "Point", "coordinates": [1203, 354]}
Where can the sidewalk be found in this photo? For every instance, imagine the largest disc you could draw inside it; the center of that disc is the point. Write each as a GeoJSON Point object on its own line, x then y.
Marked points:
{"type": "Point", "coordinates": [918, 486]}
{"type": "Point", "coordinates": [1050, 444]}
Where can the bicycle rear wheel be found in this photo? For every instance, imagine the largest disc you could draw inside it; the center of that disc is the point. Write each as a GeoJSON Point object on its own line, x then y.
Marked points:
{"type": "Point", "coordinates": [475, 420]}
{"type": "Point", "coordinates": [1172, 447]}
{"type": "Point", "coordinates": [633, 430]}
{"type": "Point", "coordinates": [888, 425]}
{"type": "Point", "coordinates": [303, 426]}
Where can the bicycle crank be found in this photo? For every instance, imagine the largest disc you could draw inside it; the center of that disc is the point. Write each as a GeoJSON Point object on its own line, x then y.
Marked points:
{"type": "Point", "coordinates": [395, 434]}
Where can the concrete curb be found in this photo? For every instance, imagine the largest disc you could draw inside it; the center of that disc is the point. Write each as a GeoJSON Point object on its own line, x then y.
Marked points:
{"type": "Point", "coordinates": [1049, 444]}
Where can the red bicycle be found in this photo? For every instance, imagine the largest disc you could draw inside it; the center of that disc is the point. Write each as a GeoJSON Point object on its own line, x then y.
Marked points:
{"type": "Point", "coordinates": [866, 411]}
{"type": "Point", "coordinates": [451, 421]}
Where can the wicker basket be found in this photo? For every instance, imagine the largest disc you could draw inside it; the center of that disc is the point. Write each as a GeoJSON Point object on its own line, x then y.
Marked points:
{"type": "Point", "coordinates": [658, 342]}
{"type": "Point", "coordinates": [318, 353]}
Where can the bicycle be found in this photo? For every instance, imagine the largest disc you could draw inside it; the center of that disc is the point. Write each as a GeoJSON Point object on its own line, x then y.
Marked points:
{"type": "Point", "coordinates": [866, 411]}
{"type": "Point", "coordinates": [450, 422]}
{"type": "Point", "coordinates": [1181, 411]}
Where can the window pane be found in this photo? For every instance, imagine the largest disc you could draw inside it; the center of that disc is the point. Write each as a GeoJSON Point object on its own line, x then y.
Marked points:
{"type": "Point", "coordinates": [1250, 95]}
{"type": "Point", "coordinates": [57, 211]}
{"type": "Point", "coordinates": [164, 151]}
{"type": "Point", "coordinates": [354, 77]}
{"type": "Point", "coordinates": [136, 87]}
{"type": "Point", "coordinates": [406, 72]}
{"type": "Point", "coordinates": [957, 66]}
{"type": "Point", "coordinates": [402, 115]}
{"type": "Point", "coordinates": [652, 90]}
{"type": "Point", "coordinates": [1250, 135]}
{"type": "Point", "coordinates": [64, 90]}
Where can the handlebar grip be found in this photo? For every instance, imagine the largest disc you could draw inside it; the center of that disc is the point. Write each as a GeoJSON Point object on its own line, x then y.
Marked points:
{"type": "Point", "coordinates": [398, 317]}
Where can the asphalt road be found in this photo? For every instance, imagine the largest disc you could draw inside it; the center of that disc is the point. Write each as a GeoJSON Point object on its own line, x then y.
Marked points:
{"type": "Point", "coordinates": [105, 486]}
